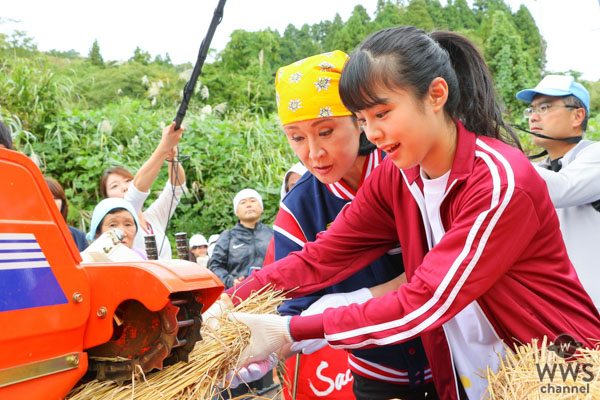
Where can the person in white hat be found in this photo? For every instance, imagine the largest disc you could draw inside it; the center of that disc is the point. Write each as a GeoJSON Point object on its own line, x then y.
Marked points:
{"type": "Point", "coordinates": [199, 248]}
{"type": "Point", "coordinates": [291, 177]}
{"type": "Point", "coordinates": [244, 246]}
{"type": "Point", "coordinates": [558, 114]}
{"type": "Point", "coordinates": [211, 243]}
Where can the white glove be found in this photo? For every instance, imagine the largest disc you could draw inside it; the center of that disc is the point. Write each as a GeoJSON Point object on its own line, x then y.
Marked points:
{"type": "Point", "coordinates": [333, 300]}
{"type": "Point", "coordinates": [210, 317]}
{"type": "Point", "coordinates": [253, 371]}
{"type": "Point", "coordinates": [268, 333]}
{"type": "Point", "coordinates": [337, 300]}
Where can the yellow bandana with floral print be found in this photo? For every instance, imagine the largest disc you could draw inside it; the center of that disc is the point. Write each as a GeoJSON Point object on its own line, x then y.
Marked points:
{"type": "Point", "coordinates": [308, 89]}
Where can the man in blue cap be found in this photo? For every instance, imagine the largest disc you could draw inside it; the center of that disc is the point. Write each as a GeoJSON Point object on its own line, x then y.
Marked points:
{"type": "Point", "coordinates": [558, 114]}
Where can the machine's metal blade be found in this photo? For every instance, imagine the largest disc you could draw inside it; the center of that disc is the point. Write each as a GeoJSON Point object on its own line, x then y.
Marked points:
{"type": "Point", "coordinates": [143, 339]}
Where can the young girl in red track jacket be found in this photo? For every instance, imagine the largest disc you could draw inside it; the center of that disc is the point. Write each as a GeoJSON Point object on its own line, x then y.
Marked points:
{"type": "Point", "coordinates": [484, 257]}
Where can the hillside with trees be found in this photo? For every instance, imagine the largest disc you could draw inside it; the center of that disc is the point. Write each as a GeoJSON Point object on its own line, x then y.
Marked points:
{"type": "Point", "coordinates": [78, 114]}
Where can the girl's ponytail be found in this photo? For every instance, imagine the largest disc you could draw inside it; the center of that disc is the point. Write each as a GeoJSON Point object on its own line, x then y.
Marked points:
{"type": "Point", "coordinates": [478, 107]}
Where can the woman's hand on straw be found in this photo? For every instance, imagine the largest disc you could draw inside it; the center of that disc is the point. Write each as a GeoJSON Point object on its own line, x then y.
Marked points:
{"type": "Point", "coordinates": [253, 371]}
{"type": "Point", "coordinates": [268, 333]}
{"type": "Point", "coordinates": [211, 316]}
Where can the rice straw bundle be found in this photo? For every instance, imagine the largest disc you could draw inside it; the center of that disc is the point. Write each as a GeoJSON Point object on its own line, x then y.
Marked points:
{"type": "Point", "coordinates": [209, 362]}
{"type": "Point", "coordinates": [518, 376]}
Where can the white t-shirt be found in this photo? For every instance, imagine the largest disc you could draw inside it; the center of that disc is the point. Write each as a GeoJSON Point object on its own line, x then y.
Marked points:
{"type": "Point", "coordinates": [473, 342]}
{"type": "Point", "coordinates": [157, 215]}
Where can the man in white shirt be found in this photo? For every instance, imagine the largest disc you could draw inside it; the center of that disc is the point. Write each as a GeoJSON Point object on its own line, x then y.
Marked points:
{"type": "Point", "coordinates": [558, 114]}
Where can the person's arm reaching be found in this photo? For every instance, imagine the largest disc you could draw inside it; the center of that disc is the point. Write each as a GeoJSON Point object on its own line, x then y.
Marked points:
{"type": "Point", "coordinates": [166, 149]}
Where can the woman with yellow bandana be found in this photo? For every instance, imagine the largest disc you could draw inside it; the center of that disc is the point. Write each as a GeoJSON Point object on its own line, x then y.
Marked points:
{"type": "Point", "coordinates": [328, 140]}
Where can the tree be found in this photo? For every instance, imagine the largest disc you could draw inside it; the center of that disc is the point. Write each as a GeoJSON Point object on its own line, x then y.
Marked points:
{"type": "Point", "coordinates": [459, 16]}
{"type": "Point", "coordinates": [483, 9]}
{"type": "Point", "coordinates": [437, 13]}
{"type": "Point", "coordinates": [320, 31]}
{"type": "Point", "coordinates": [417, 15]}
{"type": "Point", "coordinates": [297, 44]}
{"type": "Point", "coordinates": [466, 15]}
{"type": "Point", "coordinates": [353, 31]}
{"type": "Point", "coordinates": [535, 45]}
{"type": "Point", "coordinates": [243, 49]}
{"type": "Point", "coordinates": [336, 26]}
{"type": "Point", "coordinates": [94, 55]}
{"type": "Point", "coordinates": [18, 43]}
{"type": "Point", "coordinates": [244, 75]}
{"type": "Point", "coordinates": [140, 56]}
{"type": "Point", "coordinates": [64, 54]}
{"type": "Point", "coordinates": [513, 69]}
{"type": "Point", "coordinates": [162, 61]}
{"type": "Point", "coordinates": [388, 15]}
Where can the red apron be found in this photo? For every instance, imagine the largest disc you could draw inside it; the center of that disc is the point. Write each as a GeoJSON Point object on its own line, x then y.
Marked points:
{"type": "Point", "coordinates": [323, 374]}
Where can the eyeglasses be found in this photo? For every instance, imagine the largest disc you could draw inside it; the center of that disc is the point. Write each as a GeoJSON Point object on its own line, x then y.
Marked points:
{"type": "Point", "coordinates": [542, 109]}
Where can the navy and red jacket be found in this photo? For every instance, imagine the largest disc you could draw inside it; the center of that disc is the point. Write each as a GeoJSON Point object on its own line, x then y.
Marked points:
{"type": "Point", "coordinates": [502, 250]}
{"type": "Point", "coordinates": [309, 209]}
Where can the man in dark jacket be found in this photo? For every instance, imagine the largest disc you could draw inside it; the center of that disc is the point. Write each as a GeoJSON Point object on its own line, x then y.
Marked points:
{"type": "Point", "coordinates": [244, 246]}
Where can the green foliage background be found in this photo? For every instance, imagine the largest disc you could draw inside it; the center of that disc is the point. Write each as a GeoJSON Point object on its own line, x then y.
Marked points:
{"type": "Point", "coordinates": [79, 115]}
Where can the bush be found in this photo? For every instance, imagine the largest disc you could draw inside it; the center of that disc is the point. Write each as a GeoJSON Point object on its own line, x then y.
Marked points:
{"type": "Point", "coordinates": [32, 90]}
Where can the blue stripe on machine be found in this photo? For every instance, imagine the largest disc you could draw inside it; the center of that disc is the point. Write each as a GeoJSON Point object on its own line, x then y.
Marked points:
{"type": "Point", "coordinates": [28, 288]}
{"type": "Point", "coordinates": [20, 251]}
{"type": "Point", "coordinates": [22, 260]}
{"type": "Point", "coordinates": [26, 279]}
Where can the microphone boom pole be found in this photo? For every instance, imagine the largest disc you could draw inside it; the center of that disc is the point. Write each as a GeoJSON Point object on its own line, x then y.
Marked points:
{"type": "Point", "coordinates": [188, 90]}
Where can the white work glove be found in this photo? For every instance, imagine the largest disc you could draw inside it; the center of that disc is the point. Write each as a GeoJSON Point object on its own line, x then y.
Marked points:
{"type": "Point", "coordinates": [253, 371]}
{"type": "Point", "coordinates": [333, 300]}
{"type": "Point", "coordinates": [210, 317]}
{"type": "Point", "coordinates": [268, 334]}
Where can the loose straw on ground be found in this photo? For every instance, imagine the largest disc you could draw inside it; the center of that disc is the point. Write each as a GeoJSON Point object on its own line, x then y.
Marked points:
{"type": "Point", "coordinates": [518, 376]}
{"type": "Point", "coordinates": [209, 362]}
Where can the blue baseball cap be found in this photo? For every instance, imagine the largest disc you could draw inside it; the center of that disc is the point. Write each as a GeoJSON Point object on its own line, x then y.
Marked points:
{"type": "Point", "coordinates": [106, 206]}
{"type": "Point", "coordinates": [558, 86]}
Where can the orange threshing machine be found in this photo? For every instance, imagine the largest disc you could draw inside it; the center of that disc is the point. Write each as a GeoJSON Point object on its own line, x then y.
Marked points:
{"type": "Point", "coordinates": [61, 319]}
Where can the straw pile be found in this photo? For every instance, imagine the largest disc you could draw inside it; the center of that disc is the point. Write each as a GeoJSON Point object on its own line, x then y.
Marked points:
{"type": "Point", "coordinates": [518, 376]}
{"type": "Point", "coordinates": [209, 362]}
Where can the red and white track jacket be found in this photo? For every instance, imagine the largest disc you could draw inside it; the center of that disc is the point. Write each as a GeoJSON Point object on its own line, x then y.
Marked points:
{"type": "Point", "coordinates": [502, 248]}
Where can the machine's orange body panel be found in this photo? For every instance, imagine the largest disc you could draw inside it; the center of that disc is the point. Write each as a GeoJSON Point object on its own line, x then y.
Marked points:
{"type": "Point", "coordinates": [149, 282]}
{"type": "Point", "coordinates": [49, 301]}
